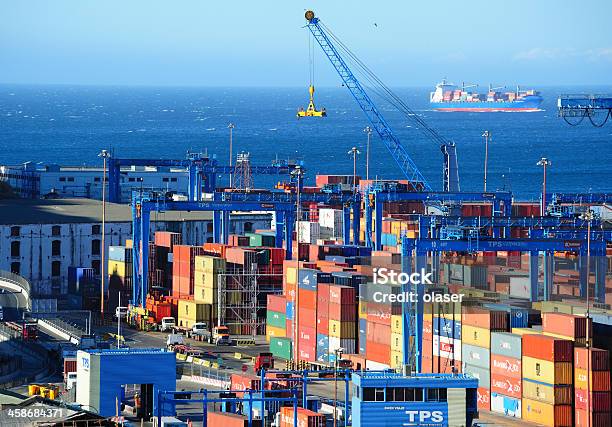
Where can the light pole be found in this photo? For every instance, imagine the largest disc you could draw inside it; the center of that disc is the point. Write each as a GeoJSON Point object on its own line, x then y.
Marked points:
{"type": "Point", "coordinates": [588, 217]}
{"type": "Point", "coordinates": [368, 130]}
{"type": "Point", "coordinates": [354, 151]}
{"type": "Point", "coordinates": [338, 352]}
{"type": "Point", "coordinates": [105, 155]}
{"type": "Point", "coordinates": [298, 173]}
{"type": "Point", "coordinates": [486, 136]}
{"type": "Point", "coordinates": [544, 162]}
{"type": "Point", "coordinates": [231, 129]}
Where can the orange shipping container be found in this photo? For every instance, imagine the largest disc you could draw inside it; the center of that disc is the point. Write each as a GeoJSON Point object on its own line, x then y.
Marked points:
{"type": "Point", "coordinates": [307, 299]}
{"type": "Point", "coordinates": [484, 318]}
{"type": "Point", "coordinates": [568, 325]}
{"type": "Point", "coordinates": [600, 359]}
{"type": "Point", "coordinates": [226, 419]}
{"type": "Point", "coordinates": [548, 348]}
{"type": "Point", "coordinates": [508, 386]}
{"type": "Point", "coordinates": [484, 399]}
{"type": "Point", "coordinates": [602, 419]}
{"type": "Point", "coordinates": [376, 352]}
{"type": "Point", "coordinates": [305, 418]}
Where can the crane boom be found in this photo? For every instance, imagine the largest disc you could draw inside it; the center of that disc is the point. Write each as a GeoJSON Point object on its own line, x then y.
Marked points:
{"type": "Point", "coordinates": [378, 122]}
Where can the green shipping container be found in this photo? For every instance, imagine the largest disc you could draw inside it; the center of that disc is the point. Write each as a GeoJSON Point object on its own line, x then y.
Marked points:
{"type": "Point", "coordinates": [256, 239]}
{"type": "Point", "coordinates": [281, 347]}
{"type": "Point", "coordinates": [276, 319]}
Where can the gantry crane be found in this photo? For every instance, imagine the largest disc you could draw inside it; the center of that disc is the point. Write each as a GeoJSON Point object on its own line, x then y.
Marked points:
{"type": "Point", "coordinates": [577, 107]}
{"type": "Point", "coordinates": [332, 46]}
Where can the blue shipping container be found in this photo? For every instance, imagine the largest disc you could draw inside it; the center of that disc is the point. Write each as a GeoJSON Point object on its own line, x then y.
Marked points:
{"type": "Point", "coordinates": [289, 310]}
{"type": "Point", "coordinates": [447, 328]}
{"type": "Point", "coordinates": [308, 279]}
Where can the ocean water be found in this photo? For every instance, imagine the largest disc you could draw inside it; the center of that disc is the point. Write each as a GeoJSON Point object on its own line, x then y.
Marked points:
{"type": "Point", "coordinates": [69, 125]}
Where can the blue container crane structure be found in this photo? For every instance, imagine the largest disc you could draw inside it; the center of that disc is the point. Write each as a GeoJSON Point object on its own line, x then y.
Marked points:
{"type": "Point", "coordinates": [412, 312]}
{"type": "Point", "coordinates": [580, 106]}
{"type": "Point", "coordinates": [331, 46]}
{"type": "Point", "coordinates": [283, 204]}
{"type": "Point", "coordinates": [202, 170]}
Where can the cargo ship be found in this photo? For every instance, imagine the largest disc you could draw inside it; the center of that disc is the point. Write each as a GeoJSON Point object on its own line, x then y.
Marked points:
{"type": "Point", "coordinates": [450, 97]}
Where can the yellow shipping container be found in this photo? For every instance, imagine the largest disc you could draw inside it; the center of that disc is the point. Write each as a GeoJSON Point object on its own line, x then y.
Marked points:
{"type": "Point", "coordinates": [580, 380]}
{"type": "Point", "coordinates": [427, 312]}
{"type": "Point", "coordinates": [210, 264]}
{"type": "Point", "coordinates": [480, 337]}
{"type": "Point", "coordinates": [117, 268]}
{"type": "Point", "coordinates": [578, 342]}
{"type": "Point", "coordinates": [396, 324]}
{"type": "Point", "coordinates": [129, 243]}
{"type": "Point", "coordinates": [396, 360]}
{"type": "Point", "coordinates": [556, 307]}
{"type": "Point", "coordinates": [363, 309]}
{"type": "Point", "coordinates": [273, 331]}
{"type": "Point", "coordinates": [341, 330]}
{"type": "Point", "coordinates": [190, 312]}
{"type": "Point", "coordinates": [396, 342]}
{"type": "Point", "coordinates": [547, 393]}
{"type": "Point", "coordinates": [291, 275]}
{"type": "Point", "coordinates": [526, 331]}
{"type": "Point", "coordinates": [546, 371]}
{"type": "Point", "coordinates": [205, 279]}
{"type": "Point", "coordinates": [205, 295]}
{"type": "Point", "coordinates": [544, 413]}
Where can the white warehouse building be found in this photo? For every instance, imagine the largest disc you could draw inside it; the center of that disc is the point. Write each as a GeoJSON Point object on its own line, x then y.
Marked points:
{"type": "Point", "coordinates": [40, 239]}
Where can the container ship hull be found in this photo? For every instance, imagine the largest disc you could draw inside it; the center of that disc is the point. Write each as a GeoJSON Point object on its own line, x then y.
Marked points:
{"type": "Point", "coordinates": [492, 106]}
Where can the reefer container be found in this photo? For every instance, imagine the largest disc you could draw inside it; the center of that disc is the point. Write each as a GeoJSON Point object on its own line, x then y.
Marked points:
{"type": "Point", "coordinates": [506, 344]}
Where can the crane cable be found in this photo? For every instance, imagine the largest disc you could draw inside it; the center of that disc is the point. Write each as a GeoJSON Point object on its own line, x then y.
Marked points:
{"type": "Point", "coordinates": [387, 94]}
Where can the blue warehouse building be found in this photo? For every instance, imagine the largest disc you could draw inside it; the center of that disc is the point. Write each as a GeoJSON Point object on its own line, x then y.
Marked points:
{"type": "Point", "coordinates": [391, 399]}
{"type": "Point", "coordinates": [102, 375]}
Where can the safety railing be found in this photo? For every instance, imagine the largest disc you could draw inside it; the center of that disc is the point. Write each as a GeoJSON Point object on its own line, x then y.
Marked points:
{"type": "Point", "coordinates": [20, 282]}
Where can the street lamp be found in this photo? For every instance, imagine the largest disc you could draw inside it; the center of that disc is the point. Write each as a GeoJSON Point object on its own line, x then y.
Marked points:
{"type": "Point", "coordinates": [105, 155]}
{"type": "Point", "coordinates": [368, 130]}
{"type": "Point", "coordinates": [544, 162]}
{"type": "Point", "coordinates": [588, 217]}
{"type": "Point", "coordinates": [486, 136]}
{"type": "Point", "coordinates": [231, 129]}
{"type": "Point", "coordinates": [338, 352]}
{"type": "Point", "coordinates": [354, 151]}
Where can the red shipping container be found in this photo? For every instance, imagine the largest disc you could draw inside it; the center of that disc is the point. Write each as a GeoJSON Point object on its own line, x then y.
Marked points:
{"type": "Point", "coordinates": [376, 352]}
{"type": "Point", "coordinates": [70, 365]}
{"type": "Point", "coordinates": [379, 313]}
{"type": "Point", "coordinates": [427, 348]}
{"type": "Point", "coordinates": [427, 364]}
{"type": "Point", "coordinates": [484, 399]}
{"type": "Point", "coordinates": [322, 325]}
{"type": "Point", "coordinates": [442, 365]}
{"type": "Point", "coordinates": [277, 303]}
{"type": "Point", "coordinates": [323, 292]}
{"type": "Point", "coordinates": [427, 329]}
{"type": "Point", "coordinates": [305, 418]}
{"type": "Point", "coordinates": [506, 366]}
{"type": "Point", "coordinates": [307, 338]}
{"type": "Point", "coordinates": [600, 359]}
{"type": "Point", "coordinates": [508, 386]}
{"type": "Point", "coordinates": [568, 325]}
{"type": "Point", "coordinates": [548, 348]}
{"type": "Point", "coordinates": [339, 294]}
{"type": "Point", "coordinates": [241, 382]}
{"type": "Point", "coordinates": [227, 419]}
{"type": "Point", "coordinates": [597, 419]}
{"type": "Point", "coordinates": [307, 318]}
{"type": "Point", "coordinates": [307, 299]}
{"type": "Point", "coordinates": [599, 401]}
{"type": "Point", "coordinates": [484, 318]}
{"type": "Point", "coordinates": [323, 309]}
{"type": "Point", "coordinates": [344, 312]}
{"type": "Point", "coordinates": [378, 333]}
{"type": "Point", "coordinates": [167, 239]}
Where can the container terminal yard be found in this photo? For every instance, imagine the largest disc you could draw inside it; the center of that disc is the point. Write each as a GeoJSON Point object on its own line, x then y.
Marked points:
{"type": "Point", "coordinates": [147, 291]}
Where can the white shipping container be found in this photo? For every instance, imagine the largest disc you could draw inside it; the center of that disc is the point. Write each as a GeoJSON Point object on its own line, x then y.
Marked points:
{"type": "Point", "coordinates": [376, 366]}
{"type": "Point", "coordinates": [308, 232]}
{"type": "Point", "coordinates": [348, 345]}
{"type": "Point", "coordinates": [520, 287]}
{"type": "Point", "coordinates": [447, 347]}
{"type": "Point", "coordinates": [509, 406]}
{"type": "Point", "coordinates": [330, 218]}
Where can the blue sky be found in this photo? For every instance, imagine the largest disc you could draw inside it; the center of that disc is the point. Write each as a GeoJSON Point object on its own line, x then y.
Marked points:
{"type": "Point", "coordinates": [240, 43]}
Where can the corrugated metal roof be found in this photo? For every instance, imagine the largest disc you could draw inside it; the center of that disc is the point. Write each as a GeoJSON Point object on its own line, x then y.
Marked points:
{"type": "Point", "coordinates": [61, 211]}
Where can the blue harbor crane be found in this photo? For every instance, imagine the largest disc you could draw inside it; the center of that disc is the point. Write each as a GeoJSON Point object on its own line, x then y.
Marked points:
{"type": "Point", "coordinates": [575, 108]}
{"type": "Point", "coordinates": [332, 46]}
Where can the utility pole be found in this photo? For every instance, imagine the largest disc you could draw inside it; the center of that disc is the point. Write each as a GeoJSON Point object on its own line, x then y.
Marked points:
{"type": "Point", "coordinates": [231, 129]}
{"type": "Point", "coordinates": [105, 155]}
{"type": "Point", "coordinates": [298, 172]}
{"type": "Point", "coordinates": [588, 216]}
{"type": "Point", "coordinates": [338, 352]}
{"type": "Point", "coordinates": [486, 135]}
{"type": "Point", "coordinates": [544, 162]}
{"type": "Point", "coordinates": [354, 151]}
{"type": "Point", "coordinates": [368, 131]}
